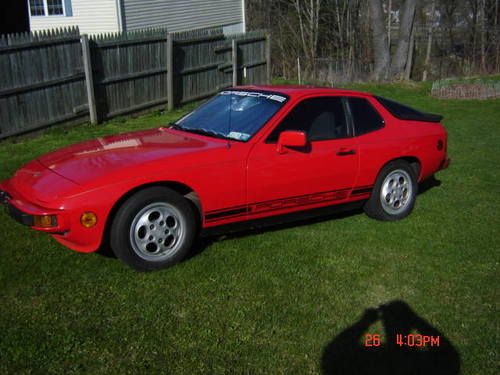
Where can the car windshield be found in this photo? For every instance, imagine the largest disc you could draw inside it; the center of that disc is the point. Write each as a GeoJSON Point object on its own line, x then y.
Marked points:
{"type": "Point", "coordinates": [236, 115]}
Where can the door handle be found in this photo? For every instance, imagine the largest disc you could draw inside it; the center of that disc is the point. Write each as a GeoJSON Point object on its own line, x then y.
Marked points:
{"type": "Point", "coordinates": [346, 151]}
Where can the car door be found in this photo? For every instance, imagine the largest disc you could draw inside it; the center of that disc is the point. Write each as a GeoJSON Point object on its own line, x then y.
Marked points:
{"type": "Point", "coordinates": [321, 173]}
{"type": "Point", "coordinates": [376, 145]}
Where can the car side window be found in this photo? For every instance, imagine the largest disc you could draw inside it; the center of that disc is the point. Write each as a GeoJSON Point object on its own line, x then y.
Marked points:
{"type": "Point", "coordinates": [365, 118]}
{"type": "Point", "coordinates": [320, 118]}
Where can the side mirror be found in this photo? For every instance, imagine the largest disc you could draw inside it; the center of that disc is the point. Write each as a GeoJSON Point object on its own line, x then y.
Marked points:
{"type": "Point", "coordinates": [291, 138]}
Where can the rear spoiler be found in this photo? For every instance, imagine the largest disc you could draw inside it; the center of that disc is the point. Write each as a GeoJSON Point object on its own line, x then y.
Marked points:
{"type": "Point", "coordinates": [403, 112]}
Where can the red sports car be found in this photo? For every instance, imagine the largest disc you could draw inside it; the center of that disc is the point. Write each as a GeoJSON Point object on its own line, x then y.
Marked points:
{"type": "Point", "coordinates": [249, 153]}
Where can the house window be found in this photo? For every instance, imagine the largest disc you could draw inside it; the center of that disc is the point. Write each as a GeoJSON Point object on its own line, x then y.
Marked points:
{"type": "Point", "coordinates": [37, 8]}
{"type": "Point", "coordinates": [50, 7]}
{"type": "Point", "coordinates": [55, 7]}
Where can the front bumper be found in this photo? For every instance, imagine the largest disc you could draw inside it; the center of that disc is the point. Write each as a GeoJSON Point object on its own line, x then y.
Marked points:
{"type": "Point", "coordinates": [4, 197]}
{"type": "Point", "coordinates": [24, 212]}
{"type": "Point", "coordinates": [19, 216]}
{"type": "Point", "coordinates": [67, 231]}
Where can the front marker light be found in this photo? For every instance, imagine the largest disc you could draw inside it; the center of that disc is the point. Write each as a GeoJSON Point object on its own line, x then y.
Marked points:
{"type": "Point", "coordinates": [88, 219]}
{"type": "Point", "coordinates": [45, 221]}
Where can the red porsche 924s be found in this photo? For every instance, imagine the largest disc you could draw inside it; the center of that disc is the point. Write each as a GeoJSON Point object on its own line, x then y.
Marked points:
{"type": "Point", "coordinates": [251, 152]}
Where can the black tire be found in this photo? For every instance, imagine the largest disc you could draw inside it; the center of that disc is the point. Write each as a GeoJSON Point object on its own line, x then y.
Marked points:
{"type": "Point", "coordinates": [379, 209]}
{"type": "Point", "coordinates": [159, 213]}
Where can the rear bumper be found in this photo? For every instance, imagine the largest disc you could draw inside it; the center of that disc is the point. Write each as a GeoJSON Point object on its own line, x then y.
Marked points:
{"type": "Point", "coordinates": [445, 163]}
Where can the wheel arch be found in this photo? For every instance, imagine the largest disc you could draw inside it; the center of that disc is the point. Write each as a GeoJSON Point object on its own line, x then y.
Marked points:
{"type": "Point", "coordinates": [414, 162]}
{"type": "Point", "coordinates": [181, 188]}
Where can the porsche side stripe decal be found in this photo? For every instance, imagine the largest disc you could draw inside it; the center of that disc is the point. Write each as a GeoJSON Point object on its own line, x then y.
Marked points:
{"type": "Point", "coordinates": [225, 213]}
{"type": "Point", "coordinates": [278, 204]}
{"type": "Point", "coordinates": [362, 190]}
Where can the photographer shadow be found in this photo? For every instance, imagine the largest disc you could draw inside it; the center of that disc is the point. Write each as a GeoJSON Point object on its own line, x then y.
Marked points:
{"type": "Point", "coordinates": [348, 353]}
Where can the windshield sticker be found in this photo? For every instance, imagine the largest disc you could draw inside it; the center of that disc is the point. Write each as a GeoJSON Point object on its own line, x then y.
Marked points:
{"type": "Point", "coordinates": [239, 136]}
{"type": "Point", "coordinates": [277, 98]}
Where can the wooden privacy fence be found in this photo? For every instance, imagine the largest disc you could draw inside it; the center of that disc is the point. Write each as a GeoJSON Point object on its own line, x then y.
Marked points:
{"type": "Point", "coordinates": [57, 77]}
{"type": "Point", "coordinates": [42, 81]}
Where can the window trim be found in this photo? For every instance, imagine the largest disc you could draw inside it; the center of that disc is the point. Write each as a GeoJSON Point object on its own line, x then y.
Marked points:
{"type": "Point", "coordinates": [351, 117]}
{"type": "Point", "coordinates": [350, 129]}
{"type": "Point", "coordinates": [46, 10]}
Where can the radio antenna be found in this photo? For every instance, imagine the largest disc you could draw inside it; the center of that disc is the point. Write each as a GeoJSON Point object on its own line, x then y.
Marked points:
{"type": "Point", "coordinates": [228, 145]}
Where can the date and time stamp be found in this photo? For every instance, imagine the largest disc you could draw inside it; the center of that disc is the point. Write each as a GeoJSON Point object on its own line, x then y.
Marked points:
{"type": "Point", "coordinates": [409, 340]}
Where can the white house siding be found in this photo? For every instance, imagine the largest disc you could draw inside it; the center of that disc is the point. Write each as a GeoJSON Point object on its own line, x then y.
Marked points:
{"type": "Point", "coordinates": [236, 28]}
{"type": "Point", "coordinates": [180, 15]}
{"type": "Point", "coordinates": [91, 16]}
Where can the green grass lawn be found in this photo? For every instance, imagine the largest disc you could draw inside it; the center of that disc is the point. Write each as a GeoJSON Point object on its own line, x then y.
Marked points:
{"type": "Point", "coordinates": [272, 301]}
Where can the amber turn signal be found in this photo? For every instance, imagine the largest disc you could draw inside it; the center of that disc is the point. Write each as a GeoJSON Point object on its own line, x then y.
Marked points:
{"type": "Point", "coordinates": [44, 221]}
{"type": "Point", "coordinates": [88, 219]}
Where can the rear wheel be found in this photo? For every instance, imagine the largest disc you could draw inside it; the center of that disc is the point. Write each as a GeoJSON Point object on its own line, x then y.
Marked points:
{"type": "Point", "coordinates": [394, 194]}
{"type": "Point", "coordinates": [155, 228]}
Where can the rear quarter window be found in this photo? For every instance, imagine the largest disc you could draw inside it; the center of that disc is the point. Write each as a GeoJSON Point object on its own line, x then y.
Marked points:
{"type": "Point", "coordinates": [365, 117]}
{"type": "Point", "coordinates": [403, 112]}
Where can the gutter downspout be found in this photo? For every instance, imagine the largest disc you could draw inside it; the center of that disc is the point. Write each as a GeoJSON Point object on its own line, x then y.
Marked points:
{"type": "Point", "coordinates": [244, 14]}
{"type": "Point", "coordinates": [119, 15]}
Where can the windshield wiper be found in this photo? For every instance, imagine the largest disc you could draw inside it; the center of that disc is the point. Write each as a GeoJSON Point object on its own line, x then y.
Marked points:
{"type": "Point", "coordinates": [202, 131]}
{"type": "Point", "coordinates": [173, 125]}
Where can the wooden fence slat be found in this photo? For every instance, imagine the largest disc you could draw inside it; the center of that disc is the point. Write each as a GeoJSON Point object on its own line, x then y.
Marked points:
{"type": "Point", "coordinates": [200, 68]}
{"type": "Point", "coordinates": [89, 79]}
{"type": "Point", "coordinates": [252, 40]}
{"type": "Point", "coordinates": [170, 71]}
{"type": "Point", "coordinates": [234, 58]}
{"type": "Point", "coordinates": [196, 40]}
{"type": "Point", "coordinates": [122, 43]}
{"type": "Point", "coordinates": [38, 44]}
{"type": "Point", "coordinates": [42, 85]}
{"type": "Point", "coordinates": [132, 76]}
{"type": "Point", "coordinates": [268, 58]}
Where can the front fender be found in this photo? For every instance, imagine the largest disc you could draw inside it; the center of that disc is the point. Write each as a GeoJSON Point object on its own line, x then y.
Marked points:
{"type": "Point", "coordinates": [103, 202]}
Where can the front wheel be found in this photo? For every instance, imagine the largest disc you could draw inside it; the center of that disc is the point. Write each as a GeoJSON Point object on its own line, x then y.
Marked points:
{"type": "Point", "coordinates": [395, 192]}
{"type": "Point", "coordinates": [155, 228]}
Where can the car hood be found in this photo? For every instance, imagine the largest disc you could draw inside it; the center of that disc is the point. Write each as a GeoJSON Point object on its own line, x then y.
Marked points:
{"type": "Point", "coordinates": [35, 183]}
{"type": "Point", "coordinates": [103, 157]}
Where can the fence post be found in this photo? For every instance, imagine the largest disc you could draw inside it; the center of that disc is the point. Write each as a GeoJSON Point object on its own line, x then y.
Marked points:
{"type": "Point", "coordinates": [268, 58]}
{"type": "Point", "coordinates": [89, 79]}
{"type": "Point", "coordinates": [170, 71]}
{"type": "Point", "coordinates": [234, 57]}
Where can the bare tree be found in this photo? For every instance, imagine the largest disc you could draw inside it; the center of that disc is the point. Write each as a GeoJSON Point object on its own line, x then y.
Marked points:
{"type": "Point", "coordinates": [400, 58]}
{"type": "Point", "coordinates": [430, 31]}
{"type": "Point", "coordinates": [383, 62]}
{"type": "Point", "coordinates": [379, 39]}
{"type": "Point", "coordinates": [341, 40]}
{"type": "Point", "coordinates": [483, 35]}
{"type": "Point", "coordinates": [496, 37]}
{"type": "Point", "coordinates": [308, 16]}
{"type": "Point", "coordinates": [409, 60]}
{"type": "Point", "coordinates": [389, 22]}
{"type": "Point", "coordinates": [474, 15]}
